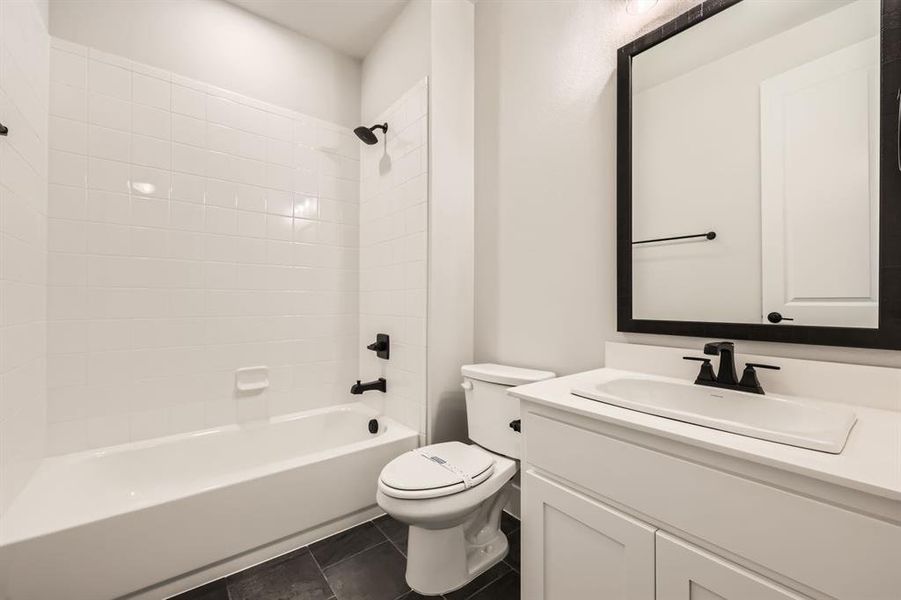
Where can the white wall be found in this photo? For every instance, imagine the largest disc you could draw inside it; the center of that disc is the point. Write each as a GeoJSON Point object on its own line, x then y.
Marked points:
{"type": "Point", "coordinates": [192, 231]}
{"type": "Point", "coordinates": [451, 216]}
{"type": "Point", "coordinates": [221, 44]}
{"type": "Point", "coordinates": [24, 64]}
{"type": "Point", "coordinates": [398, 61]}
{"type": "Point", "coordinates": [394, 210]}
{"type": "Point", "coordinates": [545, 186]}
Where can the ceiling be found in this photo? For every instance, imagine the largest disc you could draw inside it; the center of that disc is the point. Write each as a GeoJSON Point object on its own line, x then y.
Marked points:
{"type": "Point", "coordinates": [349, 26]}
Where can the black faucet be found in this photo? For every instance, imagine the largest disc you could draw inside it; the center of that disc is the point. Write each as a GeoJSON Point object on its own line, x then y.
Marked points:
{"type": "Point", "coordinates": [380, 384]}
{"type": "Point", "coordinates": [726, 374]}
{"type": "Point", "coordinates": [726, 377]}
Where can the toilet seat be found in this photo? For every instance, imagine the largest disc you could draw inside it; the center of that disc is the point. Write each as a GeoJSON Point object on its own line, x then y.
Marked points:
{"type": "Point", "coordinates": [436, 471]}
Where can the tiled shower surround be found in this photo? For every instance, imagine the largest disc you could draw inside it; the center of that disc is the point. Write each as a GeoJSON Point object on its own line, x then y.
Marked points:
{"type": "Point", "coordinates": [192, 231]}
{"type": "Point", "coordinates": [394, 255]}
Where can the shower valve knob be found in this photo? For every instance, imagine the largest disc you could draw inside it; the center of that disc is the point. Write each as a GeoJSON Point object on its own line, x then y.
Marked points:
{"type": "Point", "coordinates": [381, 346]}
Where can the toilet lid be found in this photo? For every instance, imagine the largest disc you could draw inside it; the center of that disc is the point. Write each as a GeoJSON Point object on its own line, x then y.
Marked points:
{"type": "Point", "coordinates": [436, 470]}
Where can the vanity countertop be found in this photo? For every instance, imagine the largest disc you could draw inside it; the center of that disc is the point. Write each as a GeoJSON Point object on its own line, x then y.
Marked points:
{"type": "Point", "coordinates": [870, 461]}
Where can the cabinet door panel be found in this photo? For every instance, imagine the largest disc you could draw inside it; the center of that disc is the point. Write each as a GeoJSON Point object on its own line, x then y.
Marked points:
{"type": "Point", "coordinates": [576, 547]}
{"type": "Point", "coordinates": [685, 572]}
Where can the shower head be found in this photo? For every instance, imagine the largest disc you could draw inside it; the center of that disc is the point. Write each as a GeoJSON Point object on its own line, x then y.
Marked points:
{"type": "Point", "coordinates": [367, 134]}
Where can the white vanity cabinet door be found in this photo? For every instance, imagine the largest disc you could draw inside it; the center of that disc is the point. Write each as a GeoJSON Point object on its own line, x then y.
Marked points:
{"type": "Point", "coordinates": [574, 547]}
{"type": "Point", "coordinates": [685, 572]}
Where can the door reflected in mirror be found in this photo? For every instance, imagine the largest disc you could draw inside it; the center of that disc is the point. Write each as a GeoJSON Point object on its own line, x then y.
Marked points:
{"type": "Point", "coordinates": [755, 143]}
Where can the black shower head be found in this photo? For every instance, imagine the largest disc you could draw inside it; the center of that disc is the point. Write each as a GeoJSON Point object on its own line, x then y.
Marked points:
{"type": "Point", "coordinates": [367, 134]}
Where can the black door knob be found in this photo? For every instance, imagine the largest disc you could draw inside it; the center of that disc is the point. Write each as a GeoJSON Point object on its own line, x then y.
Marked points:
{"type": "Point", "coordinates": [3, 129]}
{"type": "Point", "coordinates": [775, 317]}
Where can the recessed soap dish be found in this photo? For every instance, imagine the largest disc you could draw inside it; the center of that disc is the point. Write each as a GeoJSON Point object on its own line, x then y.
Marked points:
{"type": "Point", "coordinates": [252, 379]}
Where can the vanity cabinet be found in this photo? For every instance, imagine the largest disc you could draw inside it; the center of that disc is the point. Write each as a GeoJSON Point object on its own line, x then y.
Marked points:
{"type": "Point", "coordinates": [585, 549]}
{"type": "Point", "coordinates": [611, 513]}
{"type": "Point", "coordinates": [577, 547]}
{"type": "Point", "coordinates": [685, 572]}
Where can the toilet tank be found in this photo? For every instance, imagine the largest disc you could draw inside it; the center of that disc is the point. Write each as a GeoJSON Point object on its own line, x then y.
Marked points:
{"type": "Point", "coordinates": [490, 410]}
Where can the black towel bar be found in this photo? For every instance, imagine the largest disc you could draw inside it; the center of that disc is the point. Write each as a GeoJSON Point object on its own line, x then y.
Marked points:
{"type": "Point", "coordinates": [710, 235]}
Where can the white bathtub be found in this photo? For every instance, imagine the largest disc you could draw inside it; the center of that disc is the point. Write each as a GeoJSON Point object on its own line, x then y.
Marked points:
{"type": "Point", "coordinates": [108, 523]}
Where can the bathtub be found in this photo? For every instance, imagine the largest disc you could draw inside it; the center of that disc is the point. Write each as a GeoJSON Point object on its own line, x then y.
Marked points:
{"type": "Point", "coordinates": [113, 522]}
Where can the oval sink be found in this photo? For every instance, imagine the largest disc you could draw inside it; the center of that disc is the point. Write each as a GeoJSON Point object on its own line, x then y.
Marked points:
{"type": "Point", "coordinates": [771, 418]}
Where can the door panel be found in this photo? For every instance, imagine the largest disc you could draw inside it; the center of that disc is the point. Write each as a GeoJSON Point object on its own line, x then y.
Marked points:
{"type": "Point", "coordinates": [685, 572]}
{"type": "Point", "coordinates": [576, 547]}
{"type": "Point", "coordinates": [820, 191]}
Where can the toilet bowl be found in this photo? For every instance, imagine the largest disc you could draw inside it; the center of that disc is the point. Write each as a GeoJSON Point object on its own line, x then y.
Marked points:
{"type": "Point", "coordinates": [452, 494]}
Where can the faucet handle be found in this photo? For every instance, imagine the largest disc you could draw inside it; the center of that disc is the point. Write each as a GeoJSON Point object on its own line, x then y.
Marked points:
{"type": "Point", "coordinates": [749, 381]}
{"type": "Point", "coordinates": [762, 366]}
{"type": "Point", "coordinates": [706, 375]}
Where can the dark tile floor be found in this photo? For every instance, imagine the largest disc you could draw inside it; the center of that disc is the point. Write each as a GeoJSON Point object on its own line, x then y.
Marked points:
{"type": "Point", "coordinates": [363, 563]}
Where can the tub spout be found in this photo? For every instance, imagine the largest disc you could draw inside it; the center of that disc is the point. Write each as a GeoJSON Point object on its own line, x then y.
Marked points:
{"type": "Point", "coordinates": [379, 384]}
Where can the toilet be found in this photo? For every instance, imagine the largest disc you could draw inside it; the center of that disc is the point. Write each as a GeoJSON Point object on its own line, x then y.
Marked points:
{"type": "Point", "coordinates": [452, 494]}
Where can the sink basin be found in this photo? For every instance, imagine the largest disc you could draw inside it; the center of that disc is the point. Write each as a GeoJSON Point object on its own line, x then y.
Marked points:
{"type": "Point", "coordinates": [763, 417]}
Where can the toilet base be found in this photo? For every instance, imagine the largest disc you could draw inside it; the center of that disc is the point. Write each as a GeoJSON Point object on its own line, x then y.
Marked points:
{"type": "Point", "coordinates": [438, 562]}
{"type": "Point", "coordinates": [443, 560]}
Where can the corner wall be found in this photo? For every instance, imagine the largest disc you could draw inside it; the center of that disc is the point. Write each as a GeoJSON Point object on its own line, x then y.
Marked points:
{"type": "Point", "coordinates": [435, 39]}
{"type": "Point", "coordinates": [24, 68]}
{"type": "Point", "coordinates": [451, 219]}
{"type": "Point", "coordinates": [546, 187]}
{"type": "Point", "coordinates": [398, 60]}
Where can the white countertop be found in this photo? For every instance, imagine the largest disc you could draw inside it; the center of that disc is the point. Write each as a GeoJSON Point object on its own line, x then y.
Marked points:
{"type": "Point", "coordinates": [870, 461]}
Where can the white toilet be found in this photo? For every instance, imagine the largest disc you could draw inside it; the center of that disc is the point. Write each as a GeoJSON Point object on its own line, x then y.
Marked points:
{"type": "Point", "coordinates": [452, 494]}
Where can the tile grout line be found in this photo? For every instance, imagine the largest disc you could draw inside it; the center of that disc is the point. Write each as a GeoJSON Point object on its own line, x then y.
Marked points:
{"type": "Point", "coordinates": [493, 581]}
{"type": "Point", "coordinates": [396, 547]}
{"type": "Point", "coordinates": [321, 572]}
{"type": "Point", "coordinates": [346, 558]}
{"type": "Point", "coordinates": [389, 538]}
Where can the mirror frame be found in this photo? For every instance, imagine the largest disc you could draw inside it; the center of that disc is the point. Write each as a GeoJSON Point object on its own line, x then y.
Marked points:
{"type": "Point", "coordinates": [888, 334]}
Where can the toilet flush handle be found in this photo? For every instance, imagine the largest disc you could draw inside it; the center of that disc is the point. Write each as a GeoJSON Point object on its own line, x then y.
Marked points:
{"type": "Point", "coordinates": [466, 385]}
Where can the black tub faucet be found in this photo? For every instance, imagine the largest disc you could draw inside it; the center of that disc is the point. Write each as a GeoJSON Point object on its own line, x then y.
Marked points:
{"type": "Point", "coordinates": [380, 384]}
{"type": "Point", "coordinates": [726, 374]}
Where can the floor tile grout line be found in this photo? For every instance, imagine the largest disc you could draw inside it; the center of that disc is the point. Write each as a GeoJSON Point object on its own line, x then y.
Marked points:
{"type": "Point", "coordinates": [382, 531]}
{"type": "Point", "coordinates": [486, 585]}
{"type": "Point", "coordinates": [396, 547]}
{"type": "Point", "coordinates": [346, 558]}
{"type": "Point", "coordinates": [322, 573]}
{"type": "Point", "coordinates": [321, 568]}
{"type": "Point", "coordinates": [388, 537]}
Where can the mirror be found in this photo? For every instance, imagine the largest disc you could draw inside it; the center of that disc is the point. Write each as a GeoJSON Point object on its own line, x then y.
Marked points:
{"type": "Point", "coordinates": [751, 175]}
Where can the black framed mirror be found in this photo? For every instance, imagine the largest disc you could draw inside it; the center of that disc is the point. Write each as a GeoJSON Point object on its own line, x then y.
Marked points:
{"type": "Point", "coordinates": [759, 174]}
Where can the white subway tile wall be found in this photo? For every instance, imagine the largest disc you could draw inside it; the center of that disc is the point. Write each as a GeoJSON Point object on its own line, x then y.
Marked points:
{"type": "Point", "coordinates": [192, 231]}
{"type": "Point", "coordinates": [24, 66]}
{"type": "Point", "coordinates": [394, 255]}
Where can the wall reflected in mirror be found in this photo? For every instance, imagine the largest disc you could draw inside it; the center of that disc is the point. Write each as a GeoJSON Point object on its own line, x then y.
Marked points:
{"type": "Point", "coordinates": [760, 124]}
